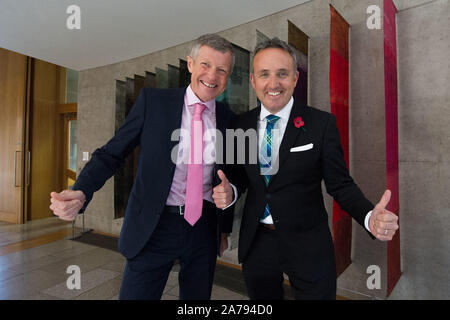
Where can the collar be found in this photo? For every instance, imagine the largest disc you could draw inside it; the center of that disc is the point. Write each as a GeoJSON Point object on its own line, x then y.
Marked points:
{"type": "Point", "coordinates": [283, 113]}
{"type": "Point", "coordinates": [191, 99]}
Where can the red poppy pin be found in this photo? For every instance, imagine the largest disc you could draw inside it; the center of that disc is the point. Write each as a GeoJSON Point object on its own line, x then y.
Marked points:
{"type": "Point", "coordinates": [298, 122]}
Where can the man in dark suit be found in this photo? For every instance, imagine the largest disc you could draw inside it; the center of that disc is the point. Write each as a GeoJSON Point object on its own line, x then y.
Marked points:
{"type": "Point", "coordinates": [170, 212]}
{"type": "Point", "coordinates": [284, 226]}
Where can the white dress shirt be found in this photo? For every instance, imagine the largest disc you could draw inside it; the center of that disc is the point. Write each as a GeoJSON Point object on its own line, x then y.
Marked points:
{"type": "Point", "coordinates": [277, 136]}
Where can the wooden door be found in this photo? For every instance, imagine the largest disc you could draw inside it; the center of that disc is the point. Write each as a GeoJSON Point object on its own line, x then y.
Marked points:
{"type": "Point", "coordinates": [45, 138]}
{"type": "Point", "coordinates": [13, 101]}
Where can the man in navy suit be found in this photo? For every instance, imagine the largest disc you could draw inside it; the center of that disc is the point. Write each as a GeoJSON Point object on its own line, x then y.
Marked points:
{"type": "Point", "coordinates": [284, 226]}
{"type": "Point", "coordinates": [158, 228]}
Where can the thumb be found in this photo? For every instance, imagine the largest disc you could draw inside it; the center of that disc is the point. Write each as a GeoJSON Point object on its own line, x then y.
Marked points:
{"type": "Point", "coordinates": [222, 177]}
{"type": "Point", "coordinates": [64, 195]}
{"type": "Point", "coordinates": [384, 200]}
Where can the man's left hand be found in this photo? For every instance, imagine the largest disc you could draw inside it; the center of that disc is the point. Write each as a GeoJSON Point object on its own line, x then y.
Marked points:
{"type": "Point", "coordinates": [383, 224]}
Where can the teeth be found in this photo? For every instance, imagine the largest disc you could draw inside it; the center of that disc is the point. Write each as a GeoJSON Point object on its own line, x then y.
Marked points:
{"type": "Point", "coordinates": [274, 93]}
{"type": "Point", "coordinates": [209, 85]}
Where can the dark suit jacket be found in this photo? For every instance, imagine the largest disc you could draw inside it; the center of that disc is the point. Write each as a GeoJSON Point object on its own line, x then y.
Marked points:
{"type": "Point", "coordinates": [150, 123]}
{"type": "Point", "coordinates": [294, 194]}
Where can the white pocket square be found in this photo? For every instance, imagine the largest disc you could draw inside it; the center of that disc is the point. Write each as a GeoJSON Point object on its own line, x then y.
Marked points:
{"type": "Point", "coordinates": [302, 148]}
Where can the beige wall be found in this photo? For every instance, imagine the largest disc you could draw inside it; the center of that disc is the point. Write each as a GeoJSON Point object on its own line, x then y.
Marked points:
{"type": "Point", "coordinates": [428, 155]}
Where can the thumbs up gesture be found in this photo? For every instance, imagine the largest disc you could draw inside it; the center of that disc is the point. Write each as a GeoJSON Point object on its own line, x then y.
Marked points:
{"type": "Point", "coordinates": [67, 203]}
{"type": "Point", "coordinates": [223, 193]}
{"type": "Point", "coordinates": [383, 224]}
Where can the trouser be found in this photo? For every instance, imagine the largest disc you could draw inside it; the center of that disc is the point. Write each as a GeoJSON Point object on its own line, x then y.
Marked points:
{"type": "Point", "coordinates": [195, 247]}
{"type": "Point", "coordinates": [263, 273]}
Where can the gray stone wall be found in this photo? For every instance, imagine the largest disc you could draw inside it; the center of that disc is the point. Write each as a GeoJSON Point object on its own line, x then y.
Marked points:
{"type": "Point", "coordinates": [424, 140]}
{"type": "Point", "coordinates": [424, 150]}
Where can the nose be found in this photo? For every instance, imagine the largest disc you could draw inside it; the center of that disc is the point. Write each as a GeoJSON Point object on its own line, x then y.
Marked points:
{"type": "Point", "coordinates": [211, 73]}
{"type": "Point", "coordinates": [273, 82]}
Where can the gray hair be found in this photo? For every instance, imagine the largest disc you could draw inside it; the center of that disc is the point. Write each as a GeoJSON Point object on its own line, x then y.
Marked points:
{"type": "Point", "coordinates": [213, 41]}
{"type": "Point", "coordinates": [276, 43]}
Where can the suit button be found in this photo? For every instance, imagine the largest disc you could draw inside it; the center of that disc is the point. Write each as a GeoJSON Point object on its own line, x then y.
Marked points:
{"type": "Point", "coordinates": [268, 196]}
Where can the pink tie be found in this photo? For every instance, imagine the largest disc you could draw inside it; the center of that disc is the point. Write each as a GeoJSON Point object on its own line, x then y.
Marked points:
{"type": "Point", "coordinates": [194, 183]}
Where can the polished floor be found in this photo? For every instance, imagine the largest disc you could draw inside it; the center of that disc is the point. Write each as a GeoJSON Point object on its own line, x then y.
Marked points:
{"type": "Point", "coordinates": [35, 257]}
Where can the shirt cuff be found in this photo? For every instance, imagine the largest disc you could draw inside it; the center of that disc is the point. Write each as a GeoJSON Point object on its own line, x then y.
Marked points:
{"type": "Point", "coordinates": [366, 221]}
{"type": "Point", "coordinates": [235, 196]}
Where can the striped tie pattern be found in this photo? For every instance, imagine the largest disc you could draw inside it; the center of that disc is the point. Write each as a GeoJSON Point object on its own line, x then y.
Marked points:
{"type": "Point", "coordinates": [265, 154]}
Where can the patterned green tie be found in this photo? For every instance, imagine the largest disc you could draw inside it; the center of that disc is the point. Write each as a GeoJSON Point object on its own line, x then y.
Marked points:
{"type": "Point", "coordinates": [265, 154]}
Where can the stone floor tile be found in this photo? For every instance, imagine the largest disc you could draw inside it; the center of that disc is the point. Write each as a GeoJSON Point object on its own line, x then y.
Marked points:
{"type": "Point", "coordinates": [174, 291]}
{"type": "Point", "coordinates": [89, 281]}
{"type": "Point", "coordinates": [103, 291]}
{"type": "Point", "coordinates": [220, 293]}
{"type": "Point", "coordinates": [172, 280]}
{"type": "Point", "coordinates": [42, 296]}
{"type": "Point", "coordinates": [168, 297]}
{"type": "Point", "coordinates": [87, 261]}
{"type": "Point", "coordinates": [26, 285]}
{"type": "Point", "coordinates": [74, 249]}
{"type": "Point", "coordinates": [116, 265]}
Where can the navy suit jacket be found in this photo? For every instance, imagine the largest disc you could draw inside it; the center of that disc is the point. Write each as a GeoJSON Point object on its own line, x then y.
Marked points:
{"type": "Point", "coordinates": [150, 123]}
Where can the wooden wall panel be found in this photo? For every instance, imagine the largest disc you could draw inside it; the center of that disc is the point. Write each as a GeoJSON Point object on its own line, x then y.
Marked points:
{"type": "Point", "coordinates": [13, 67]}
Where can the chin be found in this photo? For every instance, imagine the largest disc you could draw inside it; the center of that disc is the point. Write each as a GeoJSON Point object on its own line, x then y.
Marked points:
{"type": "Point", "coordinates": [272, 108]}
{"type": "Point", "coordinates": [207, 97]}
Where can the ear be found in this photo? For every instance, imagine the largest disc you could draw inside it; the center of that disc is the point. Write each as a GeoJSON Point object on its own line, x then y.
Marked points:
{"type": "Point", "coordinates": [297, 74]}
{"type": "Point", "coordinates": [252, 80]}
{"type": "Point", "coordinates": [190, 63]}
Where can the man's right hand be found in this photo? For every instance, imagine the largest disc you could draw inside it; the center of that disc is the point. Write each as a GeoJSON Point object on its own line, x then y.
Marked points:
{"type": "Point", "coordinates": [67, 203]}
{"type": "Point", "coordinates": [223, 193]}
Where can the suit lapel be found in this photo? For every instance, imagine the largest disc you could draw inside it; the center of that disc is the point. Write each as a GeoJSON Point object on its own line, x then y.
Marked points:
{"type": "Point", "coordinates": [174, 107]}
{"type": "Point", "coordinates": [252, 123]}
{"type": "Point", "coordinates": [220, 144]}
{"type": "Point", "coordinates": [291, 133]}
{"type": "Point", "coordinates": [221, 119]}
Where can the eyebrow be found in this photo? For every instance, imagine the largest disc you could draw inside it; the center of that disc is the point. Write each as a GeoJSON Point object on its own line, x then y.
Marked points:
{"type": "Point", "coordinates": [224, 68]}
{"type": "Point", "coordinates": [278, 70]}
{"type": "Point", "coordinates": [218, 67]}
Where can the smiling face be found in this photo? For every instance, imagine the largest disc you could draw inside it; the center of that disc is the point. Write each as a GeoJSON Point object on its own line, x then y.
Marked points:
{"type": "Point", "coordinates": [209, 72]}
{"type": "Point", "coordinates": [274, 78]}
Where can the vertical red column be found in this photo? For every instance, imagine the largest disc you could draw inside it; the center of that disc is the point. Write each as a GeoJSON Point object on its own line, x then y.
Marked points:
{"type": "Point", "coordinates": [339, 99]}
{"type": "Point", "coordinates": [391, 101]}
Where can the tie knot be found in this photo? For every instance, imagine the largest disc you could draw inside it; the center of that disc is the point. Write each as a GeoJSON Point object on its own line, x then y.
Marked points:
{"type": "Point", "coordinates": [272, 119]}
{"type": "Point", "coordinates": [199, 107]}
